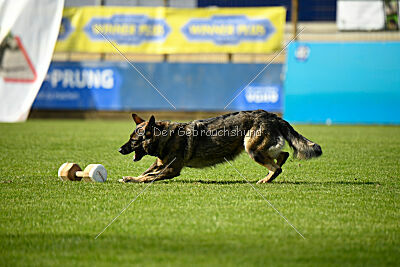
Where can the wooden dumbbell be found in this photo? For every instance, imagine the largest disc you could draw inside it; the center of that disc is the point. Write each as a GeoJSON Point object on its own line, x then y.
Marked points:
{"type": "Point", "coordinates": [92, 173]}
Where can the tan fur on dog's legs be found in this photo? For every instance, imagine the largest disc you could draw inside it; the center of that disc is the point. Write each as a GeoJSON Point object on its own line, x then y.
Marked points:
{"type": "Point", "coordinates": [281, 159]}
{"type": "Point", "coordinates": [274, 170]}
{"type": "Point", "coordinates": [258, 148]}
{"type": "Point", "coordinates": [158, 171]}
{"type": "Point", "coordinates": [269, 163]}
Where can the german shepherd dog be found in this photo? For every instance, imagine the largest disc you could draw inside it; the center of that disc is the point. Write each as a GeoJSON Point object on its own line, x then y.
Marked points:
{"type": "Point", "coordinates": [203, 143]}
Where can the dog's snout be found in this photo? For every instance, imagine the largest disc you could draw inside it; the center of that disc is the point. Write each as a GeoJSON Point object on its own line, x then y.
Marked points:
{"type": "Point", "coordinates": [124, 150]}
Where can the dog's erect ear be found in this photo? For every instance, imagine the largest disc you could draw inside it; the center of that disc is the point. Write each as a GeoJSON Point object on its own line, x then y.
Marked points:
{"type": "Point", "coordinates": [150, 126]}
{"type": "Point", "coordinates": [137, 119]}
{"type": "Point", "coordinates": [152, 120]}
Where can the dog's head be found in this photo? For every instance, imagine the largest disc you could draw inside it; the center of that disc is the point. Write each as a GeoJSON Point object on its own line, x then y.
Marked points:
{"type": "Point", "coordinates": [140, 140]}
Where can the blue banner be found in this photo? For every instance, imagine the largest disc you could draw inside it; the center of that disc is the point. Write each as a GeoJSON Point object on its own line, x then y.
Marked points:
{"type": "Point", "coordinates": [80, 86]}
{"type": "Point", "coordinates": [188, 86]}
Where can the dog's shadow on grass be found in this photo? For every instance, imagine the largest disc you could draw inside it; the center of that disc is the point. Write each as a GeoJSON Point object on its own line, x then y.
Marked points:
{"type": "Point", "coordinates": [328, 182]}
{"type": "Point", "coordinates": [274, 182]}
{"type": "Point", "coordinates": [208, 181]}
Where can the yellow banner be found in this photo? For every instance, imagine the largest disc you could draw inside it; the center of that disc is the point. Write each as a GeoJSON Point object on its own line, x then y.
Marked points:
{"type": "Point", "coordinates": [171, 31]}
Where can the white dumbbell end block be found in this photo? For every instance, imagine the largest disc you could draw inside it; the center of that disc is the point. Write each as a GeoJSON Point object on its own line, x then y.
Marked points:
{"type": "Point", "coordinates": [95, 173]}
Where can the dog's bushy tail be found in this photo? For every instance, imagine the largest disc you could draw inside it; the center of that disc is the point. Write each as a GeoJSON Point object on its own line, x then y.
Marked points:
{"type": "Point", "coordinates": [302, 147]}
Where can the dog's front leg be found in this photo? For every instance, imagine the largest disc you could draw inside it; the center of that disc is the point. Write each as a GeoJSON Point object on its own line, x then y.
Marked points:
{"type": "Point", "coordinates": [154, 167]}
{"type": "Point", "coordinates": [158, 171]}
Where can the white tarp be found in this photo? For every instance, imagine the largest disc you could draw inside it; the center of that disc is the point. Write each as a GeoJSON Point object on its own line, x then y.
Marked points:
{"type": "Point", "coordinates": [28, 33]}
{"type": "Point", "coordinates": [364, 15]}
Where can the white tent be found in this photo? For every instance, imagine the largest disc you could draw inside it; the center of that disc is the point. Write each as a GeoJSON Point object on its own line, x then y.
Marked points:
{"type": "Point", "coordinates": [28, 33]}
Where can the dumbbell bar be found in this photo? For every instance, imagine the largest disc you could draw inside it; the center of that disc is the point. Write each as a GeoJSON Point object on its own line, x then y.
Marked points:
{"type": "Point", "coordinates": [92, 173]}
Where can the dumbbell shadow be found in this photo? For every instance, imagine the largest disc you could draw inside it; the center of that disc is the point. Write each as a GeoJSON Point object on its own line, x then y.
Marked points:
{"type": "Point", "coordinates": [92, 173]}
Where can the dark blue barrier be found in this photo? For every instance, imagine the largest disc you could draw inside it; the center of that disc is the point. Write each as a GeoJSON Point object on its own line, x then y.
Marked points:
{"type": "Point", "coordinates": [309, 10]}
{"type": "Point", "coordinates": [343, 83]}
{"type": "Point", "coordinates": [188, 86]}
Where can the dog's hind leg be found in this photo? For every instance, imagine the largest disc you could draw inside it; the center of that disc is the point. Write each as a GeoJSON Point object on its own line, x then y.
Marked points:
{"type": "Point", "coordinates": [282, 157]}
{"type": "Point", "coordinates": [264, 149]}
{"type": "Point", "coordinates": [269, 163]}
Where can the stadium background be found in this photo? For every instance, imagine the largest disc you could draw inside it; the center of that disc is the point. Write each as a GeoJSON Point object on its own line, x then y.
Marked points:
{"type": "Point", "coordinates": [338, 83]}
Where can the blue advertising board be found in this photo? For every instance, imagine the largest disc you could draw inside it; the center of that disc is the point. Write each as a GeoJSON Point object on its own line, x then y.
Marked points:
{"type": "Point", "coordinates": [343, 83]}
{"type": "Point", "coordinates": [188, 86]}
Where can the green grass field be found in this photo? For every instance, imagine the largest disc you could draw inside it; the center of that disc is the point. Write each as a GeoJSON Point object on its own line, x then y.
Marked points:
{"type": "Point", "coordinates": [345, 203]}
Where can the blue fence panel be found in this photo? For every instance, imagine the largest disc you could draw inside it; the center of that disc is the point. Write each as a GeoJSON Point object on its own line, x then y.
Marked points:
{"type": "Point", "coordinates": [188, 86]}
{"type": "Point", "coordinates": [309, 10]}
{"type": "Point", "coordinates": [343, 83]}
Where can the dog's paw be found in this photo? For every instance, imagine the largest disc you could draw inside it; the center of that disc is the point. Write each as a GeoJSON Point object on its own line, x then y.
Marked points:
{"type": "Point", "coordinates": [130, 179]}
{"type": "Point", "coordinates": [263, 181]}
